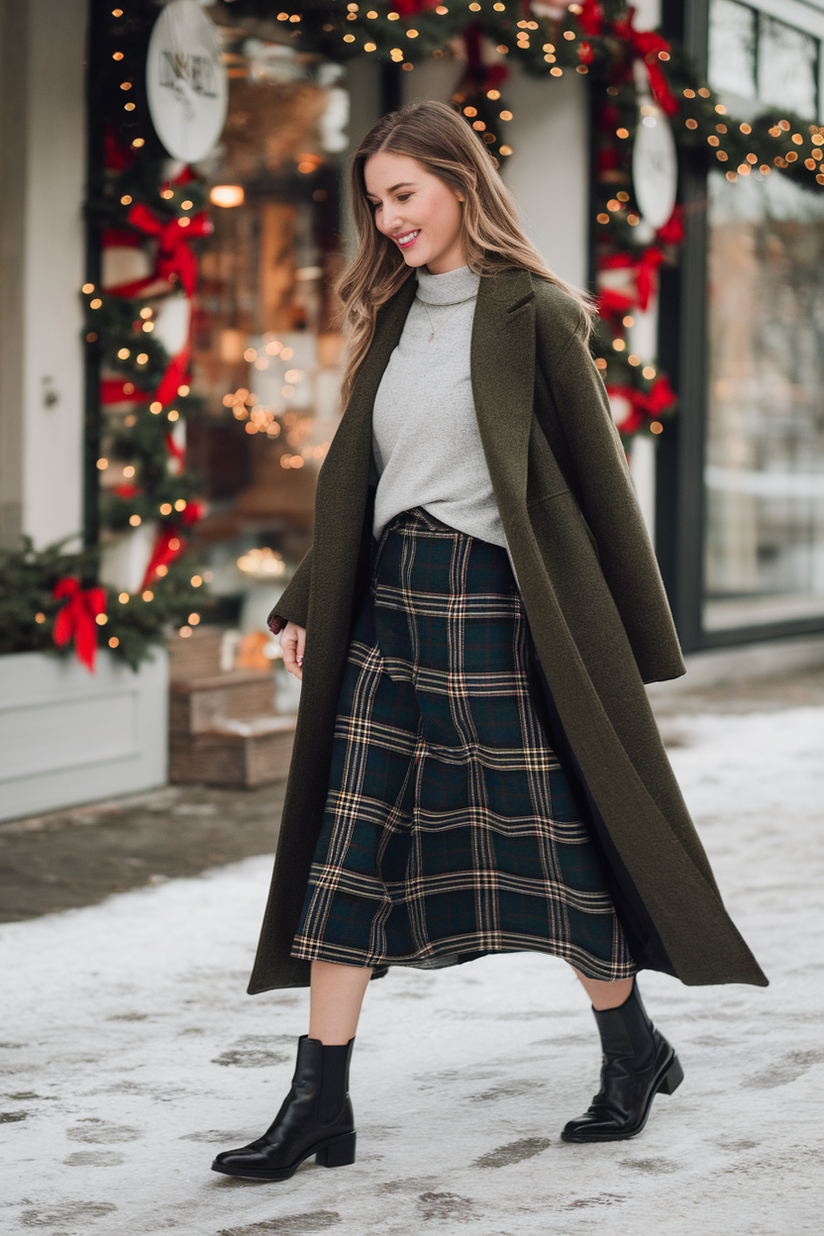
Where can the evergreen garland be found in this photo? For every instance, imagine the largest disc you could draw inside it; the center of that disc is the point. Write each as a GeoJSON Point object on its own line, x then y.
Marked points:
{"type": "Point", "coordinates": [129, 626]}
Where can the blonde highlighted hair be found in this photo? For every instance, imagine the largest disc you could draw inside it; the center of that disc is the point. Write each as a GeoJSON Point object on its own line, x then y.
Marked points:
{"type": "Point", "coordinates": [443, 143]}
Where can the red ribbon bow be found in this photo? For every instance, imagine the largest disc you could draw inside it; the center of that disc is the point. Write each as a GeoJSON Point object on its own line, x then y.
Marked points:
{"type": "Point", "coordinates": [612, 304]}
{"type": "Point", "coordinates": [644, 268]}
{"type": "Point", "coordinates": [410, 8]}
{"type": "Point", "coordinates": [175, 255]}
{"type": "Point", "coordinates": [115, 391]}
{"type": "Point", "coordinates": [171, 543]}
{"type": "Point", "coordinates": [659, 397]}
{"type": "Point", "coordinates": [647, 44]}
{"type": "Point", "coordinates": [591, 17]}
{"type": "Point", "coordinates": [643, 405]}
{"type": "Point", "coordinates": [176, 375]}
{"type": "Point", "coordinates": [76, 620]}
{"type": "Point", "coordinates": [646, 280]}
{"type": "Point", "coordinates": [635, 417]}
{"type": "Point", "coordinates": [672, 233]}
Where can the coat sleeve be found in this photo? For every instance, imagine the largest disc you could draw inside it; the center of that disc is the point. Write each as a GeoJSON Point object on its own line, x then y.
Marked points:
{"type": "Point", "coordinates": [599, 476]}
{"type": "Point", "coordinates": [293, 606]}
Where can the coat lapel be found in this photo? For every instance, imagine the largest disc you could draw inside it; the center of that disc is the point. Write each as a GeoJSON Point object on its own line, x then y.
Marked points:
{"type": "Point", "coordinates": [343, 484]}
{"type": "Point", "coordinates": [357, 420]}
{"type": "Point", "coordinates": [502, 364]}
{"type": "Point", "coordinates": [503, 381]}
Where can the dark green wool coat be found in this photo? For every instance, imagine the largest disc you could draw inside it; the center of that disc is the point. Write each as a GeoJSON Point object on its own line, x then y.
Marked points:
{"type": "Point", "coordinates": [596, 608]}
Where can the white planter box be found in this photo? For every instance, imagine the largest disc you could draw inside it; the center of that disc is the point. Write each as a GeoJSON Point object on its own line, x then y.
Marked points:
{"type": "Point", "coordinates": [68, 736]}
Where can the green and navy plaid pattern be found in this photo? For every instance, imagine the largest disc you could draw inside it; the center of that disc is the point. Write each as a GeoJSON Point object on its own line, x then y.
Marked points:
{"type": "Point", "coordinates": [450, 828]}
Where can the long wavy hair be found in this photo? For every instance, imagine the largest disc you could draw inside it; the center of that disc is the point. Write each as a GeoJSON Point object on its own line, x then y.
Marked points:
{"type": "Point", "coordinates": [439, 139]}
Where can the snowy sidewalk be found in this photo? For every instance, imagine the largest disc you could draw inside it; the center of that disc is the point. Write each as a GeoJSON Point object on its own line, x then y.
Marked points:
{"type": "Point", "coordinates": [132, 1054]}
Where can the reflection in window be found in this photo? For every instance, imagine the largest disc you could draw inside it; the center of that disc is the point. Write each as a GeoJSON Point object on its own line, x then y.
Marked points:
{"type": "Point", "coordinates": [755, 56]}
{"type": "Point", "coordinates": [765, 452]}
{"type": "Point", "coordinates": [764, 549]}
{"type": "Point", "coordinates": [787, 67]}
{"type": "Point", "coordinates": [732, 48]}
{"type": "Point", "coordinates": [265, 345]}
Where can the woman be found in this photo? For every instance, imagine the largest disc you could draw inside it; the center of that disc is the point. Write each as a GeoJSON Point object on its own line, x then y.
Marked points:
{"type": "Point", "coordinates": [476, 767]}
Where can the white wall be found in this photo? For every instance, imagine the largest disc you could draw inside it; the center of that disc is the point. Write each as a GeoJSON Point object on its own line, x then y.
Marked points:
{"type": "Point", "coordinates": [68, 736]}
{"type": "Point", "coordinates": [549, 171]}
{"type": "Point", "coordinates": [43, 164]}
{"type": "Point", "coordinates": [647, 14]}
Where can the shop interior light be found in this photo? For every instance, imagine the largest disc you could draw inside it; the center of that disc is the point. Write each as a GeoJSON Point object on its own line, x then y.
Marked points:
{"type": "Point", "coordinates": [226, 195]}
{"type": "Point", "coordinates": [262, 563]}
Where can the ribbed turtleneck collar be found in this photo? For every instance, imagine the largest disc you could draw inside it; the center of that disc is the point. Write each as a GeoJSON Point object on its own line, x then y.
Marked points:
{"type": "Point", "coordinates": [448, 289]}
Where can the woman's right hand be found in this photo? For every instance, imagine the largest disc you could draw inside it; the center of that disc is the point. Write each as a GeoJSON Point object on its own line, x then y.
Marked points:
{"type": "Point", "coordinates": [292, 643]}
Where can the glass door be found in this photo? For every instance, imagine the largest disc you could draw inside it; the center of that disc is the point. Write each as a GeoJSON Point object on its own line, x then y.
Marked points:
{"type": "Point", "coordinates": [764, 462]}
{"type": "Point", "coordinates": [265, 341]}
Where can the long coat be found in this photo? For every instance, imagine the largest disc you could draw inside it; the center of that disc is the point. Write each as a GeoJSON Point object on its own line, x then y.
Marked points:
{"type": "Point", "coordinates": [596, 608]}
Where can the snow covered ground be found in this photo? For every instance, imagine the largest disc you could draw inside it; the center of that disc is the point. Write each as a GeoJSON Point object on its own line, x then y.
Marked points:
{"type": "Point", "coordinates": [132, 1054]}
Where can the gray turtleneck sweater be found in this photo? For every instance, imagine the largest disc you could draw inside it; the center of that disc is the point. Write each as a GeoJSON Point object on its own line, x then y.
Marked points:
{"type": "Point", "coordinates": [425, 437]}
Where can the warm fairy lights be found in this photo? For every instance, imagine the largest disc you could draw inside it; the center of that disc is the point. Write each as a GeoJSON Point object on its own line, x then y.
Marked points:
{"type": "Point", "coordinates": [264, 563]}
{"type": "Point", "coordinates": [226, 196]}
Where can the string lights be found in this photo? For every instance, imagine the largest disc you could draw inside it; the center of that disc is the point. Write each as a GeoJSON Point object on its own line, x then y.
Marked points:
{"type": "Point", "coordinates": [595, 38]}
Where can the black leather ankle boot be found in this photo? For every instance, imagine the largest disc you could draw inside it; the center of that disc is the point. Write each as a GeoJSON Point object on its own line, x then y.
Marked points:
{"type": "Point", "coordinates": [638, 1063]}
{"type": "Point", "coordinates": [315, 1119]}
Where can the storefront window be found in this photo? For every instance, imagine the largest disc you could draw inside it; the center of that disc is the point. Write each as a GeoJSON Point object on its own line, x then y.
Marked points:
{"type": "Point", "coordinates": [764, 475]}
{"type": "Point", "coordinates": [733, 35]}
{"type": "Point", "coordinates": [265, 343]}
{"type": "Point", "coordinates": [787, 67]}
{"type": "Point", "coordinates": [755, 56]}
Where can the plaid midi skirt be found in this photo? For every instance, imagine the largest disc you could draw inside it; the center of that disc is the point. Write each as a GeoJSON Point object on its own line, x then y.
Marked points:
{"type": "Point", "coordinates": [450, 829]}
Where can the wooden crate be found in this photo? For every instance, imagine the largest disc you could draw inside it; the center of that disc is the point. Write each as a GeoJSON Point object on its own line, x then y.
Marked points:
{"type": "Point", "coordinates": [236, 753]}
{"type": "Point", "coordinates": [201, 704]}
{"type": "Point", "coordinates": [196, 656]}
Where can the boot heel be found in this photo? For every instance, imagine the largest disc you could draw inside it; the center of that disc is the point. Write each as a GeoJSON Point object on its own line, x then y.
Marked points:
{"type": "Point", "coordinates": [339, 1153]}
{"type": "Point", "coordinates": [672, 1080]}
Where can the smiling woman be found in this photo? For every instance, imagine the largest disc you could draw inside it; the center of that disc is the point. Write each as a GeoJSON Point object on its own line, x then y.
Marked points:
{"type": "Point", "coordinates": [420, 213]}
{"type": "Point", "coordinates": [470, 193]}
{"type": "Point", "coordinates": [476, 766]}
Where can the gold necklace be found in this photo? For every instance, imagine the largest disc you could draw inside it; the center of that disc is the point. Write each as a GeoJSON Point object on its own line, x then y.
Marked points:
{"type": "Point", "coordinates": [446, 319]}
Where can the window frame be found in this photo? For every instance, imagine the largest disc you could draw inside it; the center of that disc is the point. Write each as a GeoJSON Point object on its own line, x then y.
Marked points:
{"type": "Point", "coordinates": [683, 350]}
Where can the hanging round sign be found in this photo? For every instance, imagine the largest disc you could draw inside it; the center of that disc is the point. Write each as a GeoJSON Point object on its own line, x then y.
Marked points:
{"type": "Point", "coordinates": [186, 81]}
{"type": "Point", "coordinates": [654, 166]}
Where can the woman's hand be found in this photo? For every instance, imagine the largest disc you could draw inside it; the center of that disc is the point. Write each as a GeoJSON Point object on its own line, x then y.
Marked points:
{"type": "Point", "coordinates": [292, 643]}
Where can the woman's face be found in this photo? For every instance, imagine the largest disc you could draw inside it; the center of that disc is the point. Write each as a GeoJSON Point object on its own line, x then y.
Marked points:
{"type": "Point", "coordinates": [417, 211]}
